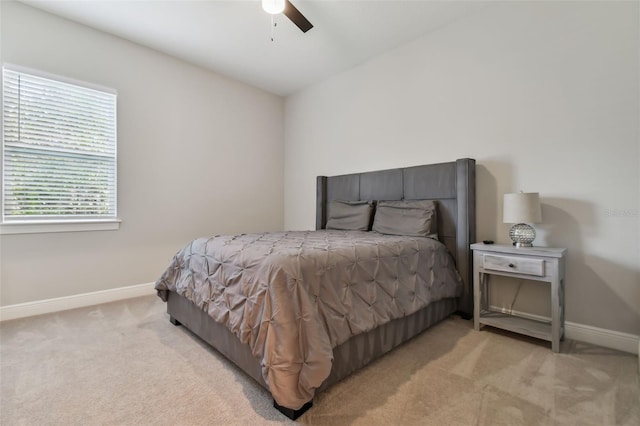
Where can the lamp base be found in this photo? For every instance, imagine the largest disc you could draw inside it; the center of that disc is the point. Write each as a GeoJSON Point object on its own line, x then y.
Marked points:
{"type": "Point", "coordinates": [523, 244]}
{"type": "Point", "coordinates": [522, 235]}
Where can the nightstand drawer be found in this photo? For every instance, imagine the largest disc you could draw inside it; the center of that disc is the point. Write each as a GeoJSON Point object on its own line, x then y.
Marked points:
{"type": "Point", "coordinates": [518, 265]}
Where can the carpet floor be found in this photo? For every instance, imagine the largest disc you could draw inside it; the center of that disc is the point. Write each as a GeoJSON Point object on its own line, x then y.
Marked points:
{"type": "Point", "coordinates": [123, 363]}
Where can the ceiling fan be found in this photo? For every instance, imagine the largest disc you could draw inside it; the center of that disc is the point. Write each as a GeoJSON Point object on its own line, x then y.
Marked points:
{"type": "Point", "coordinates": [290, 11]}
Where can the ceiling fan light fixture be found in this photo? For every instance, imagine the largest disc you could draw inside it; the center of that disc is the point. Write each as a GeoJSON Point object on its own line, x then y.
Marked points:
{"type": "Point", "coordinates": [273, 6]}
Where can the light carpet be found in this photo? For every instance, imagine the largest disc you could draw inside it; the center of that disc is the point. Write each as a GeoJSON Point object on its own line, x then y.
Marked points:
{"type": "Point", "coordinates": [123, 363]}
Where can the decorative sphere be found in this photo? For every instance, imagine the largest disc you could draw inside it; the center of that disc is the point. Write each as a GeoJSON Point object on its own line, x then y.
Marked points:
{"type": "Point", "coordinates": [522, 235]}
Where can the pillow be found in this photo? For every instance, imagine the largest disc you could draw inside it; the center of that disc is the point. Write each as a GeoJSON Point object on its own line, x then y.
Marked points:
{"type": "Point", "coordinates": [412, 218]}
{"type": "Point", "coordinates": [349, 215]}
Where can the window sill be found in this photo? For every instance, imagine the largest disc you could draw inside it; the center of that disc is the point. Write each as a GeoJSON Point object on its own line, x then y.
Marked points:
{"type": "Point", "coordinates": [41, 227]}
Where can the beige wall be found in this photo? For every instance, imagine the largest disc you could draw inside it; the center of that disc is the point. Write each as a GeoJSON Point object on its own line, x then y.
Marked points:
{"type": "Point", "coordinates": [544, 95]}
{"type": "Point", "coordinates": [198, 154]}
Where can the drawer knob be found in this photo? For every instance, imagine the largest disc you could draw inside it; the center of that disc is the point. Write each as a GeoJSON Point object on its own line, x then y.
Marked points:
{"type": "Point", "coordinates": [511, 265]}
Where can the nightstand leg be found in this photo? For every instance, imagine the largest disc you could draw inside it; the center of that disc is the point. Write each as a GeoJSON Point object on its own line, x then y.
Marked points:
{"type": "Point", "coordinates": [477, 277]}
{"type": "Point", "coordinates": [476, 302]}
{"type": "Point", "coordinates": [555, 314]}
{"type": "Point", "coordinates": [561, 309]}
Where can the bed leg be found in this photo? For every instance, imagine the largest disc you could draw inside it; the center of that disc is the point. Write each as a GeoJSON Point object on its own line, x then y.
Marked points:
{"type": "Point", "coordinates": [174, 321]}
{"type": "Point", "coordinates": [465, 315]}
{"type": "Point", "coordinates": [293, 414]}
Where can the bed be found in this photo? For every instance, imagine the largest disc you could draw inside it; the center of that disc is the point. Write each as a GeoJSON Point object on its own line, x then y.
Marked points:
{"type": "Point", "coordinates": [298, 311]}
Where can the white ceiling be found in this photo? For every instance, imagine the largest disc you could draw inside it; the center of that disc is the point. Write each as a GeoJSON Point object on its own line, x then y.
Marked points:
{"type": "Point", "coordinates": [232, 37]}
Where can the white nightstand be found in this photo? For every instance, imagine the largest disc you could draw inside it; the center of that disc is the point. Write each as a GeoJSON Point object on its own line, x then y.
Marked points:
{"type": "Point", "coordinates": [543, 264]}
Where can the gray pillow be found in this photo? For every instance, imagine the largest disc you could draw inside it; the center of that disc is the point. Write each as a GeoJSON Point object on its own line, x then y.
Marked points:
{"type": "Point", "coordinates": [349, 215]}
{"type": "Point", "coordinates": [412, 218]}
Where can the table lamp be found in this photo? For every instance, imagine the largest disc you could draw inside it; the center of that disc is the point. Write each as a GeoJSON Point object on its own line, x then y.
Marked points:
{"type": "Point", "coordinates": [520, 208]}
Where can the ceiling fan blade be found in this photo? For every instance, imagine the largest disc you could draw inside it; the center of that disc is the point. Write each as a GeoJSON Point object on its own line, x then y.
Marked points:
{"type": "Point", "coordinates": [296, 17]}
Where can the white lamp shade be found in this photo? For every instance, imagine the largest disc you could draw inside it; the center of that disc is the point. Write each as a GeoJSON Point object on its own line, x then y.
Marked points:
{"type": "Point", "coordinates": [273, 6]}
{"type": "Point", "coordinates": [522, 207]}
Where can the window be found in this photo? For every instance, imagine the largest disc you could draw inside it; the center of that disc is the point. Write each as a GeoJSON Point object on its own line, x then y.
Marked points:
{"type": "Point", "coordinates": [59, 153]}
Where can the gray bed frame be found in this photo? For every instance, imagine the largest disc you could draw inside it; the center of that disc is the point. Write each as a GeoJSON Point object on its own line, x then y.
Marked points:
{"type": "Point", "coordinates": [451, 184]}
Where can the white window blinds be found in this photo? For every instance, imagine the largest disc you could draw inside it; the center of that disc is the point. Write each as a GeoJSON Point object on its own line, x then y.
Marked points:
{"type": "Point", "coordinates": [59, 150]}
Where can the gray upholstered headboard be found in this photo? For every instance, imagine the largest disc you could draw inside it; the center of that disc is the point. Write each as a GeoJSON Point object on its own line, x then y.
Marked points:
{"type": "Point", "coordinates": [452, 184]}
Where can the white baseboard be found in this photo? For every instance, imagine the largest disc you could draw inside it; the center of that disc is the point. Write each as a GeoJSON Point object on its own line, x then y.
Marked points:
{"type": "Point", "coordinates": [585, 333]}
{"type": "Point", "coordinates": [40, 307]}
{"type": "Point", "coordinates": [602, 337]}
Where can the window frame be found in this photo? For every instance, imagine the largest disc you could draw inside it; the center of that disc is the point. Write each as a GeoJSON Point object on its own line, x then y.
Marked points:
{"type": "Point", "coordinates": [70, 224]}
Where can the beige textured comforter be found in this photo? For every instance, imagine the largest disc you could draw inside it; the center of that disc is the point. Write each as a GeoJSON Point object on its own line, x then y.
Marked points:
{"type": "Point", "coordinates": [294, 296]}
